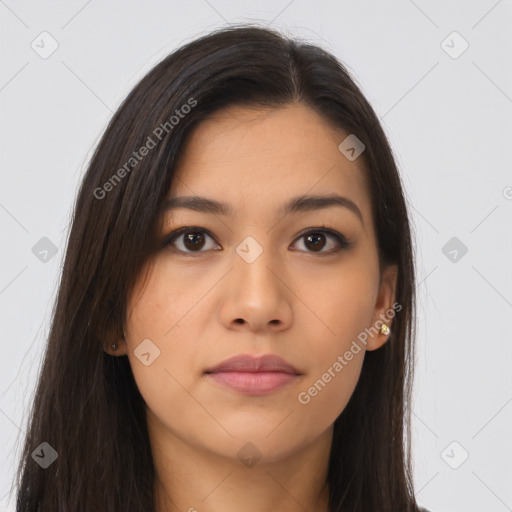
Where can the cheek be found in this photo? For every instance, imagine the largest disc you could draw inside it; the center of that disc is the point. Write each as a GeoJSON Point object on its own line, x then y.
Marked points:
{"type": "Point", "coordinates": [161, 350]}
{"type": "Point", "coordinates": [329, 385]}
{"type": "Point", "coordinates": [163, 373]}
{"type": "Point", "coordinates": [340, 302]}
{"type": "Point", "coordinates": [344, 301]}
{"type": "Point", "coordinates": [159, 303]}
{"type": "Point", "coordinates": [324, 396]}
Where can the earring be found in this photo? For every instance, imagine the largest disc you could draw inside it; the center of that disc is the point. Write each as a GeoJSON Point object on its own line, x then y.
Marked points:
{"type": "Point", "coordinates": [385, 329]}
{"type": "Point", "coordinates": [114, 345]}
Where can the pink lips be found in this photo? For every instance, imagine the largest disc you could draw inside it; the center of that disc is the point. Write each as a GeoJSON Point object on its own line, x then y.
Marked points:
{"type": "Point", "coordinates": [254, 375]}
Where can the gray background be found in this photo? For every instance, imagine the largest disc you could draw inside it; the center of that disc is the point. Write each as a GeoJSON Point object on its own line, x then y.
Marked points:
{"type": "Point", "coordinates": [449, 119]}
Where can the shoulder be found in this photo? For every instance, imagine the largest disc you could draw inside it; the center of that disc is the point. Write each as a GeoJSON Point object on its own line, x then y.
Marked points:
{"type": "Point", "coordinates": [422, 509]}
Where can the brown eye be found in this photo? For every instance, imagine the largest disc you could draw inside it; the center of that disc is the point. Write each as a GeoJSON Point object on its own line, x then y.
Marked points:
{"type": "Point", "coordinates": [190, 240]}
{"type": "Point", "coordinates": [317, 240]}
{"type": "Point", "coordinates": [194, 240]}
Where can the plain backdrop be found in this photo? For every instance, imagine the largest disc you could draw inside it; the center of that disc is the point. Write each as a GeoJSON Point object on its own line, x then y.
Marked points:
{"type": "Point", "coordinates": [438, 74]}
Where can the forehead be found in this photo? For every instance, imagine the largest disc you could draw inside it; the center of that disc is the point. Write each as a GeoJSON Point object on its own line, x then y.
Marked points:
{"type": "Point", "coordinates": [257, 159]}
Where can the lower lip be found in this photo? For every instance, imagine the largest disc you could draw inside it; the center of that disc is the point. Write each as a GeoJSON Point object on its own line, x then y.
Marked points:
{"type": "Point", "coordinates": [254, 383]}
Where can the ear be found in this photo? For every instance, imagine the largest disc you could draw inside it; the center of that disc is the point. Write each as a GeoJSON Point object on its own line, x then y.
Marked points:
{"type": "Point", "coordinates": [117, 338]}
{"type": "Point", "coordinates": [121, 348]}
{"type": "Point", "coordinates": [383, 307]}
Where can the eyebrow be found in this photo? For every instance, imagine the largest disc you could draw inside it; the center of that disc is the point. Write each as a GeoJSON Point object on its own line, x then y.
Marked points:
{"type": "Point", "coordinates": [297, 204]}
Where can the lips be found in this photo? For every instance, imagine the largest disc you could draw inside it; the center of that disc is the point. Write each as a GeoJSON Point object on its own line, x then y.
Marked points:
{"type": "Point", "coordinates": [253, 375]}
{"type": "Point", "coordinates": [249, 364]}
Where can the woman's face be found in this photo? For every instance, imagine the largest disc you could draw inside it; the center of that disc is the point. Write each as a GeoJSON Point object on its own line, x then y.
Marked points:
{"type": "Point", "coordinates": [257, 280]}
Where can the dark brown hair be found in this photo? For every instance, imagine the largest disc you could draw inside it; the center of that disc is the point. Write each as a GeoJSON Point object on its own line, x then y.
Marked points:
{"type": "Point", "coordinates": [87, 405]}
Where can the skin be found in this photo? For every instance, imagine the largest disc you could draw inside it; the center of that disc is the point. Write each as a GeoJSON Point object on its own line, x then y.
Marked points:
{"type": "Point", "coordinates": [302, 304]}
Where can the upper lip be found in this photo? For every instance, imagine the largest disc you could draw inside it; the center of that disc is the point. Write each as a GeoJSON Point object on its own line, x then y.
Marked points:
{"type": "Point", "coordinates": [248, 363]}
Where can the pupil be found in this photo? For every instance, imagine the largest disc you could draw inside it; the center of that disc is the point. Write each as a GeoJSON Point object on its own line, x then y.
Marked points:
{"type": "Point", "coordinates": [316, 240]}
{"type": "Point", "coordinates": [191, 240]}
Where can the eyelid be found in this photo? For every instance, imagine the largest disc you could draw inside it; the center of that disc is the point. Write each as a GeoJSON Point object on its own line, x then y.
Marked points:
{"type": "Point", "coordinates": [342, 242]}
{"type": "Point", "coordinates": [168, 239]}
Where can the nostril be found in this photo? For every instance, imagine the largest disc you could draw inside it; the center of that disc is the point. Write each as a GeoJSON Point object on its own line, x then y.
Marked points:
{"type": "Point", "coordinates": [239, 320]}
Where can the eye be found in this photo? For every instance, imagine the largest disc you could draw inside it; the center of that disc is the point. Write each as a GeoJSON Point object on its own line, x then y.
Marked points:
{"type": "Point", "coordinates": [193, 239]}
{"type": "Point", "coordinates": [316, 239]}
{"type": "Point", "coordinates": [189, 239]}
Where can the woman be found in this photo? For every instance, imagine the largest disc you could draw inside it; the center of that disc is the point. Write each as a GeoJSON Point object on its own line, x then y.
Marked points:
{"type": "Point", "coordinates": [235, 320]}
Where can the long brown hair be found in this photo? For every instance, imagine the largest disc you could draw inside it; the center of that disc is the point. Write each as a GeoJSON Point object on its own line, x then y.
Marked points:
{"type": "Point", "coordinates": [87, 406]}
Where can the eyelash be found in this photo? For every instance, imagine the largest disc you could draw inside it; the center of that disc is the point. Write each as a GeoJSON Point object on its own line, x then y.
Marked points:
{"type": "Point", "coordinates": [340, 239]}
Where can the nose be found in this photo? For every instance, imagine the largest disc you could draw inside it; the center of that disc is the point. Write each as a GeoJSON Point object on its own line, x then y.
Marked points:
{"type": "Point", "coordinates": [256, 296]}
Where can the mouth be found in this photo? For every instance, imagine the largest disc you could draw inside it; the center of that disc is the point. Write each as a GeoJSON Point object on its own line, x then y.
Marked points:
{"type": "Point", "coordinates": [254, 375]}
{"type": "Point", "coordinates": [253, 383]}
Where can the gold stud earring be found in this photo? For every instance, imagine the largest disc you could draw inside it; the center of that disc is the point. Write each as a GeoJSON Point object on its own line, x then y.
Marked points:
{"type": "Point", "coordinates": [385, 329]}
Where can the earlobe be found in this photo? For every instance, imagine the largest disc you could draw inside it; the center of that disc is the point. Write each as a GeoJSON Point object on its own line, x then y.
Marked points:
{"type": "Point", "coordinates": [381, 337]}
{"type": "Point", "coordinates": [384, 310]}
{"type": "Point", "coordinates": [117, 348]}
